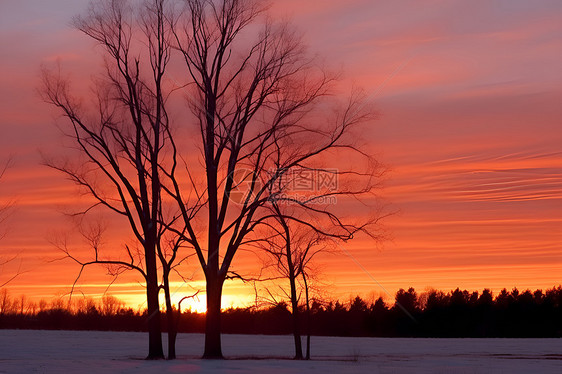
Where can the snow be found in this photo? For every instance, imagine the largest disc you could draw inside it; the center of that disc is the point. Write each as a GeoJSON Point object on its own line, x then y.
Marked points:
{"type": "Point", "coordinates": [30, 351]}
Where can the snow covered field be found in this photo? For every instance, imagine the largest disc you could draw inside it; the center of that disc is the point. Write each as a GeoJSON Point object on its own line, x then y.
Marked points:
{"type": "Point", "coordinates": [28, 351]}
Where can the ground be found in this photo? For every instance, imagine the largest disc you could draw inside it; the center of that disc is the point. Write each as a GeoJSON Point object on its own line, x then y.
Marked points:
{"type": "Point", "coordinates": [30, 351]}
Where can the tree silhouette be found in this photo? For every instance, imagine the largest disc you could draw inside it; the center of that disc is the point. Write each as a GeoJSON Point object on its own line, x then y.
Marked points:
{"type": "Point", "coordinates": [256, 98]}
{"type": "Point", "coordinates": [291, 249]}
{"type": "Point", "coordinates": [124, 138]}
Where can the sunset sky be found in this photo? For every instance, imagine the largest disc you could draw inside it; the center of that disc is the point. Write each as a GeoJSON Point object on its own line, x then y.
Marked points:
{"type": "Point", "coordinates": [469, 95]}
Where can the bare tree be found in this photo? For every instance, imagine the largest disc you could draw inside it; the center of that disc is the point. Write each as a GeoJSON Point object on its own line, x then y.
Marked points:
{"type": "Point", "coordinates": [291, 248]}
{"type": "Point", "coordinates": [110, 305]}
{"type": "Point", "coordinates": [170, 260]}
{"type": "Point", "coordinates": [123, 138]}
{"type": "Point", "coordinates": [260, 103]}
{"type": "Point", "coordinates": [5, 302]}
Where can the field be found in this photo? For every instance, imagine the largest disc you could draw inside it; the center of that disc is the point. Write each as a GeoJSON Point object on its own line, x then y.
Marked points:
{"type": "Point", "coordinates": [30, 351]}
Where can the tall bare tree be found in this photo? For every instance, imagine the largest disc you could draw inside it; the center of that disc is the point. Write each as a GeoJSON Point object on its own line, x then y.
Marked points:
{"type": "Point", "coordinates": [122, 136]}
{"type": "Point", "coordinates": [258, 99]}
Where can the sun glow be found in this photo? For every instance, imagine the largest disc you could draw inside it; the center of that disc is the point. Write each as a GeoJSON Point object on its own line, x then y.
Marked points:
{"type": "Point", "coordinates": [197, 303]}
{"type": "Point", "coordinates": [192, 300]}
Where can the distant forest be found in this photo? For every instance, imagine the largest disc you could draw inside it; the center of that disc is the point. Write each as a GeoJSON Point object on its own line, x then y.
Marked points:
{"type": "Point", "coordinates": [430, 314]}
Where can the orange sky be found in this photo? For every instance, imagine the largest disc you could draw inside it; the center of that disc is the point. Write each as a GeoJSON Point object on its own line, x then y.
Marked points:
{"type": "Point", "coordinates": [470, 102]}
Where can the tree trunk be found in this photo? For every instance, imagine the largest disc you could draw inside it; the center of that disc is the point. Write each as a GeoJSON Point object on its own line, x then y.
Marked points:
{"type": "Point", "coordinates": [296, 319]}
{"type": "Point", "coordinates": [172, 334]}
{"type": "Point", "coordinates": [293, 284]}
{"type": "Point", "coordinates": [308, 319]}
{"type": "Point", "coordinates": [171, 321]}
{"type": "Point", "coordinates": [155, 351]}
{"type": "Point", "coordinates": [213, 349]}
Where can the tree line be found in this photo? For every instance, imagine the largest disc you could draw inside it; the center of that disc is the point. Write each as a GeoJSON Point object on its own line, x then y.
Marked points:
{"type": "Point", "coordinates": [458, 313]}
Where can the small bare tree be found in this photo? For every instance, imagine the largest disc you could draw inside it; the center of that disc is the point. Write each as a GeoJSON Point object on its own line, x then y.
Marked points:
{"type": "Point", "coordinates": [110, 305]}
{"type": "Point", "coordinates": [291, 247]}
{"type": "Point", "coordinates": [6, 304]}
